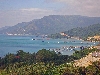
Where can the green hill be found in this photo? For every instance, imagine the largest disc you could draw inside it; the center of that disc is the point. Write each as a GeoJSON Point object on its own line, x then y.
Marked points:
{"type": "Point", "coordinates": [85, 31]}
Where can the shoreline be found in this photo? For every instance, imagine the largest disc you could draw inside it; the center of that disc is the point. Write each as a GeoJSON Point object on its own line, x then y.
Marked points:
{"type": "Point", "coordinates": [97, 46]}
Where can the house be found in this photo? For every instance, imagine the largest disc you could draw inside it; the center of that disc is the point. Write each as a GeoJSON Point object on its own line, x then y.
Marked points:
{"type": "Point", "coordinates": [63, 34]}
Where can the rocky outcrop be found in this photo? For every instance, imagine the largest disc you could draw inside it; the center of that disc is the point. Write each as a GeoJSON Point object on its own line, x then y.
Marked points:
{"type": "Point", "coordinates": [86, 61]}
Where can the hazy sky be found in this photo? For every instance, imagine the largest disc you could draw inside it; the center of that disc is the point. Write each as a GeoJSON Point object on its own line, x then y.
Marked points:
{"type": "Point", "coordinates": [17, 11]}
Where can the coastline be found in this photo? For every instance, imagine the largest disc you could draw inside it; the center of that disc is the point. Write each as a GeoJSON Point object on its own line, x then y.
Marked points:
{"type": "Point", "coordinates": [98, 46]}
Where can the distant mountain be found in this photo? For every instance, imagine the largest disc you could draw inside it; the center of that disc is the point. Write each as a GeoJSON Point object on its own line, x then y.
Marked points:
{"type": "Point", "coordinates": [51, 24]}
{"type": "Point", "coordinates": [85, 31]}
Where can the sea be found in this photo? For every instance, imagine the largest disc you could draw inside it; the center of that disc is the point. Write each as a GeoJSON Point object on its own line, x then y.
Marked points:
{"type": "Point", "coordinates": [33, 43]}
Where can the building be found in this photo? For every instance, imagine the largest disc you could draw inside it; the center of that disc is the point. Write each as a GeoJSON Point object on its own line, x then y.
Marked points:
{"type": "Point", "coordinates": [63, 34]}
{"type": "Point", "coordinates": [96, 54]}
{"type": "Point", "coordinates": [94, 38]}
{"type": "Point", "coordinates": [89, 38]}
{"type": "Point", "coordinates": [97, 37]}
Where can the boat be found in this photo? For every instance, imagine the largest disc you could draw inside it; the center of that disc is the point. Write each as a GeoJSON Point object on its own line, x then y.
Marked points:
{"type": "Point", "coordinates": [33, 39]}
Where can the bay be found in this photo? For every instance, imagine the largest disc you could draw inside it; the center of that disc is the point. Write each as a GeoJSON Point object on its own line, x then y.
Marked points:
{"type": "Point", "coordinates": [12, 43]}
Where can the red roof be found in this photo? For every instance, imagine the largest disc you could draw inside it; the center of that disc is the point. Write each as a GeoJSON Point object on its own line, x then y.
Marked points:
{"type": "Point", "coordinates": [17, 56]}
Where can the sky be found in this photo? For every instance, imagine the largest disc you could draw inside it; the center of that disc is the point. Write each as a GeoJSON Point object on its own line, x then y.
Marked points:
{"type": "Point", "coordinates": [13, 12]}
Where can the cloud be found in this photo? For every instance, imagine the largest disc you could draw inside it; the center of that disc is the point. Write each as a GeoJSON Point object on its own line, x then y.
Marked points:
{"type": "Point", "coordinates": [70, 7]}
{"type": "Point", "coordinates": [80, 7]}
{"type": "Point", "coordinates": [12, 17]}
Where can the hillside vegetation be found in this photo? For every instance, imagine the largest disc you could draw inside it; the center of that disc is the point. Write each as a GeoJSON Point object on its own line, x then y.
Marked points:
{"type": "Point", "coordinates": [84, 31]}
{"type": "Point", "coordinates": [81, 32]}
{"type": "Point", "coordinates": [46, 62]}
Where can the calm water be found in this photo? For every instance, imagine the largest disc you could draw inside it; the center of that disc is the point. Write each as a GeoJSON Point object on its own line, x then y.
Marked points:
{"type": "Point", "coordinates": [12, 44]}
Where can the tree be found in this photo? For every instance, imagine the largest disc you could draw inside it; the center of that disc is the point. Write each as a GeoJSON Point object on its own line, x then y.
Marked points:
{"type": "Point", "coordinates": [23, 56]}
{"type": "Point", "coordinates": [45, 55]}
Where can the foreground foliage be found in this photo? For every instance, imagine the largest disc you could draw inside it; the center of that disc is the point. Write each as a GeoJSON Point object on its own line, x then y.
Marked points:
{"type": "Point", "coordinates": [46, 62]}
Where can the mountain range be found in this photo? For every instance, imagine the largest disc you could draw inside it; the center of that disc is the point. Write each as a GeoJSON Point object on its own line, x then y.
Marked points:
{"type": "Point", "coordinates": [51, 24]}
